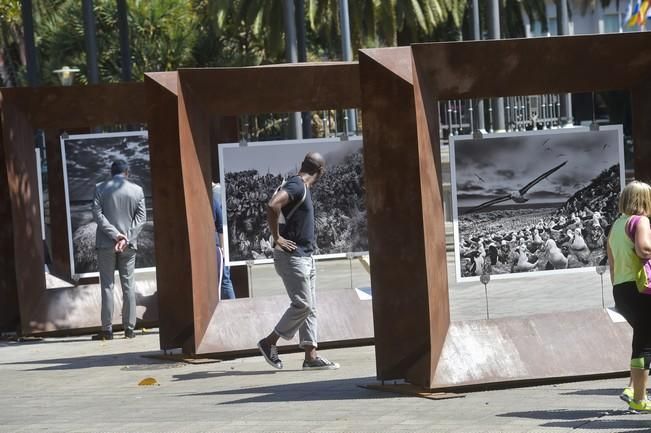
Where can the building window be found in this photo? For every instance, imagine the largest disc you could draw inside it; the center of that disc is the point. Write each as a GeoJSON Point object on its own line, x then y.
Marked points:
{"type": "Point", "coordinates": [537, 30]}
{"type": "Point", "coordinates": [611, 23]}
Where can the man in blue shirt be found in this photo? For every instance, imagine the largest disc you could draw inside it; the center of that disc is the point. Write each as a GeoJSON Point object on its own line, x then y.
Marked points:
{"type": "Point", "coordinates": [227, 291]}
{"type": "Point", "coordinates": [290, 214]}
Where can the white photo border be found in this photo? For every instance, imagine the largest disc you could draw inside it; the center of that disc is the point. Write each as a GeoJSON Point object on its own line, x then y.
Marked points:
{"type": "Point", "coordinates": [453, 190]}
{"type": "Point", "coordinates": [63, 138]}
{"type": "Point", "coordinates": [307, 141]}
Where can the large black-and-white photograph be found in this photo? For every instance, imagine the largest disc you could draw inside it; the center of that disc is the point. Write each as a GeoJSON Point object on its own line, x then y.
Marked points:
{"type": "Point", "coordinates": [252, 173]}
{"type": "Point", "coordinates": [87, 162]}
{"type": "Point", "coordinates": [537, 201]}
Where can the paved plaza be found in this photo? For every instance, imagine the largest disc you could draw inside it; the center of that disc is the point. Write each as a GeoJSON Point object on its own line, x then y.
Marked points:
{"type": "Point", "coordinates": [77, 385]}
{"type": "Point", "coordinates": [73, 384]}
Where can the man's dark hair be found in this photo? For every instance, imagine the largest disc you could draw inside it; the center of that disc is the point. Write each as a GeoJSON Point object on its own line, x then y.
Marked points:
{"type": "Point", "coordinates": [119, 166]}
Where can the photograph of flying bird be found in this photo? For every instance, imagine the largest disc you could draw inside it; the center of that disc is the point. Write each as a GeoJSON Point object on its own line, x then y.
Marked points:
{"type": "Point", "coordinates": [534, 202]}
{"type": "Point", "coordinates": [519, 195]}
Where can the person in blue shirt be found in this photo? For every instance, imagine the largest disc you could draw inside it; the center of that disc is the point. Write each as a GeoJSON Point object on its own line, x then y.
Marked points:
{"type": "Point", "coordinates": [227, 291]}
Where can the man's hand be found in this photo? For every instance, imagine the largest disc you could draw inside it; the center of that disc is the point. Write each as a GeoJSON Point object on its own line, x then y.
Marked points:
{"type": "Point", "coordinates": [285, 244]}
{"type": "Point", "coordinates": [121, 244]}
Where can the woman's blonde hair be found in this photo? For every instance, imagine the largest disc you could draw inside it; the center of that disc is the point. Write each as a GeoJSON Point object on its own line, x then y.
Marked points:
{"type": "Point", "coordinates": [635, 199]}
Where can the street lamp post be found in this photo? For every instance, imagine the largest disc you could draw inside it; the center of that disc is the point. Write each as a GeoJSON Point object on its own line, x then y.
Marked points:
{"type": "Point", "coordinates": [66, 75]}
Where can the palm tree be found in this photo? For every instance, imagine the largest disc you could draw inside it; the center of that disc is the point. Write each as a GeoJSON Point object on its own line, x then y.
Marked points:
{"type": "Point", "coordinates": [12, 45]}
{"type": "Point", "coordinates": [238, 32]}
{"type": "Point", "coordinates": [163, 35]}
{"type": "Point", "coordinates": [385, 22]}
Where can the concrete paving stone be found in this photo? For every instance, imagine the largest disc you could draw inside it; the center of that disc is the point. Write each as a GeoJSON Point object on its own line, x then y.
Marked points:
{"type": "Point", "coordinates": [65, 384]}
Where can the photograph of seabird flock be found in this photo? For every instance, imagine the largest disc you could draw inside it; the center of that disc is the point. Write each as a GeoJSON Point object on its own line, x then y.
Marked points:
{"type": "Point", "coordinates": [87, 161]}
{"type": "Point", "coordinates": [252, 173]}
{"type": "Point", "coordinates": [534, 201]}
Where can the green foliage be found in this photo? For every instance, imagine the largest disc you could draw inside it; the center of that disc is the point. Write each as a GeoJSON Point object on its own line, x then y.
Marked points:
{"type": "Point", "coordinates": [168, 34]}
{"type": "Point", "coordinates": [162, 36]}
{"type": "Point", "coordinates": [236, 33]}
{"type": "Point", "coordinates": [10, 11]}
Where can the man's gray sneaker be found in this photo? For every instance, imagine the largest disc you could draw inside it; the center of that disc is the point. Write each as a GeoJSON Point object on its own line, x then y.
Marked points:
{"type": "Point", "coordinates": [270, 354]}
{"type": "Point", "coordinates": [320, 364]}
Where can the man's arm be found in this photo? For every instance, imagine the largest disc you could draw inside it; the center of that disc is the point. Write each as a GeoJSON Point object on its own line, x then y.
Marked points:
{"type": "Point", "coordinates": [102, 223]}
{"type": "Point", "coordinates": [139, 218]}
{"type": "Point", "coordinates": [274, 207]}
{"type": "Point", "coordinates": [219, 220]}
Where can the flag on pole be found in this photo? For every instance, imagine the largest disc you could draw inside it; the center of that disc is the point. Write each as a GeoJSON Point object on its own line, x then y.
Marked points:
{"type": "Point", "coordinates": [637, 12]}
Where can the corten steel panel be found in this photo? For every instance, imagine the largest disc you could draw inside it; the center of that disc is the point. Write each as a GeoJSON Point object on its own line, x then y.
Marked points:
{"type": "Point", "coordinates": [204, 95]}
{"type": "Point", "coordinates": [524, 67]}
{"type": "Point", "coordinates": [23, 111]}
{"type": "Point", "coordinates": [429, 151]}
{"type": "Point", "coordinates": [238, 325]}
{"type": "Point", "coordinates": [404, 241]}
{"type": "Point", "coordinates": [18, 142]}
{"type": "Point", "coordinates": [171, 228]}
{"type": "Point", "coordinates": [9, 314]}
{"type": "Point", "coordinates": [541, 347]}
{"type": "Point", "coordinates": [513, 67]}
{"type": "Point", "coordinates": [196, 174]}
{"type": "Point", "coordinates": [641, 110]}
{"type": "Point", "coordinates": [178, 302]}
{"type": "Point", "coordinates": [274, 88]}
{"type": "Point", "coordinates": [79, 106]}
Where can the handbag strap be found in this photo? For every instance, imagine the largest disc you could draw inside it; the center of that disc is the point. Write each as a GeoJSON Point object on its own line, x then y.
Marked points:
{"type": "Point", "coordinates": [296, 206]}
{"type": "Point", "coordinates": [300, 202]}
{"type": "Point", "coordinates": [631, 226]}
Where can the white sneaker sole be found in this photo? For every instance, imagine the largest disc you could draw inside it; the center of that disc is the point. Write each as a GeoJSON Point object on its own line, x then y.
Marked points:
{"type": "Point", "coordinates": [333, 366]}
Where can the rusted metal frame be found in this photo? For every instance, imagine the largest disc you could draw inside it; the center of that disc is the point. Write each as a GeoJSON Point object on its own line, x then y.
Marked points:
{"type": "Point", "coordinates": [172, 244]}
{"type": "Point", "coordinates": [229, 92]}
{"type": "Point", "coordinates": [401, 222]}
{"type": "Point", "coordinates": [23, 111]}
{"type": "Point", "coordinates": [9, 310]}
{"type": "Point", "coordinates": [195, 154]}
{"type": "Point", "coordinates": [431, 186]}
{"type": "Point", "coordinates": [274, 89]}
{"type": "Point", "coordinates": [20, 163]}
{"type": "Point", "coordinates": [549, 65]}
{"type": "Point", "coordinates": [516, 67]}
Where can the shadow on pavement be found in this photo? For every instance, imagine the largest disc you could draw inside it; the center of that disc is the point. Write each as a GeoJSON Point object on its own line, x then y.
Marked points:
{"type": "Point", "coordinates": [15, 340]}
{"type": "Point", "coordinates": [607, 392]}
{"type": "Point", "coordinates": [81, 362]}
{"type": "Point", "coordinates": [613, 425]}
{"type": "Point", "coordinates": [216, 374]}
{"type": "Point", "coordinates": [588, 420]}
{"type": "Point", "coordinates": [341, 389]}
{"type": "Point", "coordinates": [565, 414]}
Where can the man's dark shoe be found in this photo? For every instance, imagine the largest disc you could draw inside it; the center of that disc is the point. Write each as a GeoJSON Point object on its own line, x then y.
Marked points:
{"type": "Point", "coordinates": [270, 354]}
{"type": "Point", "coordinates": [103, 335]}
{"type": "Point", "coordinates": [129, 333]}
